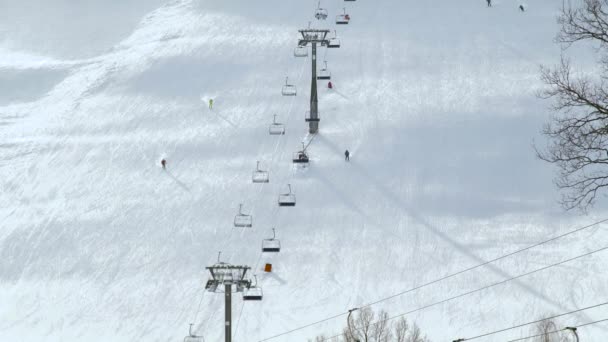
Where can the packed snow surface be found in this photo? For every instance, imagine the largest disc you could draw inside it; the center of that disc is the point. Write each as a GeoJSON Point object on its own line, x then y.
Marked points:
{"type": "Point", "coordinates": [435, 100]}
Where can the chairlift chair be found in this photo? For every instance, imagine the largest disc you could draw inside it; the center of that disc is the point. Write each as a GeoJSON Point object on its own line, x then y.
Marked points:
{"type": "Point", "coordinates": [243, 220]}
{"type": "Point", "coordinates": [259, 175]}
{"type": "Point", "coordinates": [289, 89]}
{"type": "Point", "coordinates": [253, 292]}
{"type": "Point", "coordinates": [300, 51]}
{"type": "Point", "coordinates": [287, 199]}
{"type": "Point", "coordinates": [320, 13]}
{"type": "Point", "coordinates": [300, 157]}
{"type": "Point", "coordinates": [276, 128]}
{"type": "Point", "coordinates": [272, 245]}
{"type": "Point", "coordinates": [343, 19]}
{"type": "Point", "coordinates": [324, 73]}
{"type": "Point", "coordinates": [192, 337]}
{"type": "Point", "coordinates": [334, 42]}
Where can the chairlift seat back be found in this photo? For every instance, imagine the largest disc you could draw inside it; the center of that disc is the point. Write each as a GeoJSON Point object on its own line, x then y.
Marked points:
{"type": "Point", "coordinates": [260, 176]}
{"type": "Point", "coordinates": [194, 339]}
{"type": "Point", "coordinates": [276, 129]}
{"type": "Point", "coordinates": [271, 245]}
{"type": "Point", "coordinates": [300, 157]}
{"type": "Point", "coordinates": [321, 14]}
{"type": "Point", "coordinates": [289, 90]}
{"type": "Point", "coordinates": [300, 51]}
{"type": "Point", "coordinates": [333, 43]}
{"type": "Point", "coordinates": [287, 200]}
{"type": "Point", "coordinates": [242, 220]}
{"type": "Point", "coordinates": [252, 293]}
{"type": "Point", "coordinates": [342, 19]}
{"type": "Point", "coordinates": [324, 74]}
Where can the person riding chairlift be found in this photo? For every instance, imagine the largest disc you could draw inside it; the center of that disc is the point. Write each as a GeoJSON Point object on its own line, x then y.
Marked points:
{"type": "Point", "coordinates": [347, 17]}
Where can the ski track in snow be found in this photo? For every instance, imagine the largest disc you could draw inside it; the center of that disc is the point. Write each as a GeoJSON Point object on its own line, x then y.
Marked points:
{"type": "Point", "coordinates": [435, 101]}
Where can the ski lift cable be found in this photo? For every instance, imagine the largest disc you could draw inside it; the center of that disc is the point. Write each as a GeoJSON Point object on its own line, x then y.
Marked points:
{"type": "Point", "coordinates": [230, 235]}
{"type": "Point", "coordinates": [480, 289]}
{"type": "Point", "coordinates": [449, 276]}
{"type": "Point", "coordinates": [236, 328]}
{"type": "Point", "coordinates": [533, 322]}
{"type": "Point", "coordinates": [560, 330]}
{"type": "Point", "coordinates": [275, 213]}
{"type": "Point", "coordinates": [278, 141]}
{"type": "Point", "coordinates": [200, 302]}
{"type": "Point", "coordinates": [277, 144]}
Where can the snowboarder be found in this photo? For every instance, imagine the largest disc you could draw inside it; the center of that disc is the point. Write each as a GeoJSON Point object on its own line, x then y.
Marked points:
{"type": "Point", "coordinates": [346, 155]}
{"type": "Point", "coordinates": [521, 8]}
{"type": "Point", "coordinates": [210, 103]}
{"type": "Point", "coordinates": [489, 3]}
{"type": "Point", "coordinates": [329, 85]}
{"type": "Point", "coordinates": [163, 163]}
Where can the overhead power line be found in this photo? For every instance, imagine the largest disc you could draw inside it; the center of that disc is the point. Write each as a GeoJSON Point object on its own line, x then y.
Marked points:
{"type": "Point", "coordinates": [560, 330]}
{"type": "Point", "coordinates": [481, 289]}
{"type": "Point", "coordinates": [533, 322]}
{"type": "Point", "coordinates": [577, 230]}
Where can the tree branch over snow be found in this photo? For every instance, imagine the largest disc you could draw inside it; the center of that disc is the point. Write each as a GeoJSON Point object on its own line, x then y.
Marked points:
{"type": "Point", "coordinates": [578, 132]}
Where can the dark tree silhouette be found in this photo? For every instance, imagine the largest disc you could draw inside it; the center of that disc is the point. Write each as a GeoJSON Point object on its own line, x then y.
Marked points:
{"type": "Point", "coordinates": [578, 132]}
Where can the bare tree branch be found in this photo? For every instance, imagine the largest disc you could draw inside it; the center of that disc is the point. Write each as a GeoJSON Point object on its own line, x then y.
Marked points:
{"type": "Point", "coordinates": [578, 133]}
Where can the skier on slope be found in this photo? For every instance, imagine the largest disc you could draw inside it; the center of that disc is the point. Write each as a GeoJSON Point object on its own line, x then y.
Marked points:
{"type": "Point", "coordinates": [346, 155]}
{"type": "Point", "coordinates": [521, 8]}
{"type": "Point", "coordinates": [210, 103]}
{"type": "Point", "coordinates": [489, 3]}
{"type": "Point", "coordinates": [329, 85]}
{"type": "Point", "coordinates": [163, 163]}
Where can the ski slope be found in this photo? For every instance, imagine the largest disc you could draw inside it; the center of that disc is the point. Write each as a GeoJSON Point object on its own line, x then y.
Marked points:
{"type": "Point", "coordinates": [434, 99]}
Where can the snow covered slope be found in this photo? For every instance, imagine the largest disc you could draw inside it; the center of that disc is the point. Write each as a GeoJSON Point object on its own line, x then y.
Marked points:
{"type": "Point", "coordinates": [435, 100]}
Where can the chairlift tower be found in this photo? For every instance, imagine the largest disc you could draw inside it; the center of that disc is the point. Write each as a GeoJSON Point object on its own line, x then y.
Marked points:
{"type": "Point", "coordinates": [232, 277]}
{"type": "Point", "coordinates": [313, 37]}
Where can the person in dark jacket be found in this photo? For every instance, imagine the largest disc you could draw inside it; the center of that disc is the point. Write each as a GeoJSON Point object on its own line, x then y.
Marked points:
{"type": "Point", "coordinates": [489, 3]}
{"type": "Point", "coordinates": [346, 155]}
{"type": "Point", "coordinates": [163, 163]}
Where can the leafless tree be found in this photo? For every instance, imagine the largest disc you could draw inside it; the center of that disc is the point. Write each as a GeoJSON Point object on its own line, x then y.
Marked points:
{"type": "Point", "coordinates": [578, 132]}
{"type": "Point", "coordinates": [381, 330]}
{"type": "Point", "coordinates": [415, 335]}
{"type": "Point", "coordinates": [549, 332]}
{"type": "Point", "coordinates": [363, 326]}
{"type": "Point", "coordinates": [401, 330]}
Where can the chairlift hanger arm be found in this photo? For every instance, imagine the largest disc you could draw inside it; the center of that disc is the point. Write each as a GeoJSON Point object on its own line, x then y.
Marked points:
{"type": "Point", "coordinates": [312, 36]}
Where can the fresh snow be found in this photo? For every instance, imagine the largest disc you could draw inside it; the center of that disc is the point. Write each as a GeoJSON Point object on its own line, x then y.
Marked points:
{"type": "Point", "coordinates": [435, 100]}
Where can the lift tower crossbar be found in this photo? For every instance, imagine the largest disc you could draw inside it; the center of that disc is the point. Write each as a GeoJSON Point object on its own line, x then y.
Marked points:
{"type": "Point", "coordinates": [230, 276]}
{"type": "Point", "coordinates": [313, 37]}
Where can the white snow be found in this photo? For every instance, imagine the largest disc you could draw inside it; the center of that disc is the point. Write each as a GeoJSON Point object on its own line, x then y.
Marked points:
{"type": "Point", "coordinates": [435, 100]}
